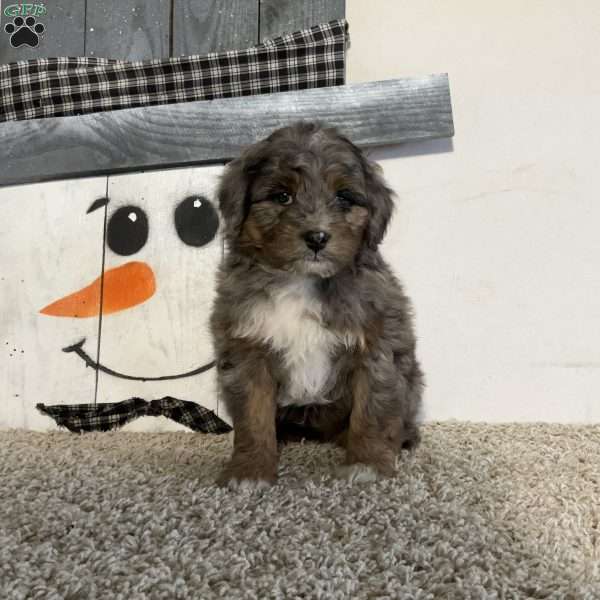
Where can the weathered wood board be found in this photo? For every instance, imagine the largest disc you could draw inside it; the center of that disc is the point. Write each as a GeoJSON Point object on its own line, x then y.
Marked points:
{"type": "Point", "coordinates": [374, 113]}
{"type": "Point", "coordinates": [49, 247]}
{"type": "Point", "coordinates": [202, 26]}
{"type": "Point", "coordinates": [136, 29]}
{"type": "Point", "coordinates": [132, 30]}
{"type": "Point", "coordinates": [57, 29]}
{"type": "Point", "coordinates": [284, 16]}
{"type": "Point", "coordinates": [162, 226]}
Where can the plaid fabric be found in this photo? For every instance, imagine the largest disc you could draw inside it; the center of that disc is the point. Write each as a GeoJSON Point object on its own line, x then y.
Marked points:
{"type": "Point", "coordinates": [79, 418]}
{"type": "Point", "coordinates": [52, 87]}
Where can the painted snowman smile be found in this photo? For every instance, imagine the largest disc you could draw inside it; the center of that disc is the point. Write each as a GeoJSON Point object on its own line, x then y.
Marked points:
{"type": "Point", "coordinates": [90, 362]}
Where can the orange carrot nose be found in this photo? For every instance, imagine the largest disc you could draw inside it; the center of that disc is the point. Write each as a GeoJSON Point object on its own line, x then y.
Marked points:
{"type": "Point", "coordinates": [123, 287]}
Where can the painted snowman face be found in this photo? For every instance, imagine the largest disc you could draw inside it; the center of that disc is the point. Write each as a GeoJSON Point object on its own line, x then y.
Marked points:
{"type": "Point", "coordinates": [162, 247]}
{"type": "Point", "coordinates": [144, 326]}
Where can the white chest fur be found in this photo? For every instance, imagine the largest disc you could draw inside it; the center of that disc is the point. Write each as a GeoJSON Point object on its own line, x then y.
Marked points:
{"type": "Point", "coordinates": [290, 320]}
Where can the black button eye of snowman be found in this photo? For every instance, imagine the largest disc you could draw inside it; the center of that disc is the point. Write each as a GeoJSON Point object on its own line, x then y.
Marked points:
{"type": "Point", "coordinates": [196, 221]}
{"type": "Point", "coordinates": [127, 230]}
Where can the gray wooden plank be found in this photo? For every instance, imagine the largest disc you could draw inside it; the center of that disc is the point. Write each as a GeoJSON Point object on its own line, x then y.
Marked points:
{"type": "Point", "coordinates": [284, 16]}
{"type": "Point", "coordinates": [63, 34]}
{"type": "Point", "coordinates": [130, 30]}
{"type": "Point", "coordinates": [202, 26]}
{"type": "Point", "coordinates": [373, 113]}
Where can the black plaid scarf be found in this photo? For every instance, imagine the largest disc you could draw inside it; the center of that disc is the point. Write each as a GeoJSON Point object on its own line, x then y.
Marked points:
{"type": "Point", "coordinates": [80, 418]}
{"type": "Point", "coordinates": [54, 87]}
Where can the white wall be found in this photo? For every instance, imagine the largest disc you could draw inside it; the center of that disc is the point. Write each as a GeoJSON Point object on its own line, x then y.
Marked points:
{"type": "Point", "coordinates": [498, 239]}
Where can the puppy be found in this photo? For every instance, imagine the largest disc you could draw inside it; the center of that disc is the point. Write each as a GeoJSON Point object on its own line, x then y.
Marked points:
{"type": "Point", "coordinates": [313, 333]}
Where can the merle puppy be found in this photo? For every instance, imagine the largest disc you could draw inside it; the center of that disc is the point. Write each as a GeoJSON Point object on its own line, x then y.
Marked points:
{"type": "Point", "coordinates": [313, 333]}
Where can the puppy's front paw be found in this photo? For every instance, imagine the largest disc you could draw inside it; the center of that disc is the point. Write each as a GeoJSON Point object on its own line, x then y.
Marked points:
{"type": "Point", "coordinates": [248, 475]}
{"type": "Point", "coordinates": [358, 473]}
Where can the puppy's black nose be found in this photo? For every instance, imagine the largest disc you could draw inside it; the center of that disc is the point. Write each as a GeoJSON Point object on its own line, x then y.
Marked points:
{"type": "Point", "coordinates": [316, 240]}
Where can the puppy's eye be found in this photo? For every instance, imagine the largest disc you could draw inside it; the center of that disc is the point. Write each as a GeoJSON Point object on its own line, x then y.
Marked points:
{"type": "Point", "coordinates": [345, 199]}
{"type": "Point", "coordinates": [282, 198]}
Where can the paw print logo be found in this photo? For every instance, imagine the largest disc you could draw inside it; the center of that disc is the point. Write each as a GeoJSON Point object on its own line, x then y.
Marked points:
{"type": "Point", "coordinates": [24, 32]}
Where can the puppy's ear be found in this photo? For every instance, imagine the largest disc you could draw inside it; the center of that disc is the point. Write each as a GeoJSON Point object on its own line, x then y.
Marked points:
{"type": "Point", "coordinates": [234, 191]}
{"type": "Point", "coordinates": [379, 195]}
{"type": "Point", "coordinates": [380, 202]}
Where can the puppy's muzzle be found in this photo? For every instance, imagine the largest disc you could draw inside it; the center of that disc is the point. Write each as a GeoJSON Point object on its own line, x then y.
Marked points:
{"type": "Point", "coordinates": [316, 240]}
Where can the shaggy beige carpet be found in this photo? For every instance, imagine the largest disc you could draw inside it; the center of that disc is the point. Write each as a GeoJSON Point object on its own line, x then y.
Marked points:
{"type": "Point", "coordinates": [479, 511]}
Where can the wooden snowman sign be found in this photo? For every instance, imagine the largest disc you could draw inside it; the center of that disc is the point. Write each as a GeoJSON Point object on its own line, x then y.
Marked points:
{"type": "Point", "coordinates": [106, 288]}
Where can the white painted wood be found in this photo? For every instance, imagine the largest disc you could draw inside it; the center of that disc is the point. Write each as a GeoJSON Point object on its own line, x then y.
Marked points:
{"type": "Point", "coordinates": [168, 333]}
{"type": "Point", "coordinates": [49, 247]}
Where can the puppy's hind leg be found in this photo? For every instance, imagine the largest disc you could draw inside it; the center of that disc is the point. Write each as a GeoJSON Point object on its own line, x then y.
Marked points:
{"type": "Point", "coordinates": [412, 377]}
